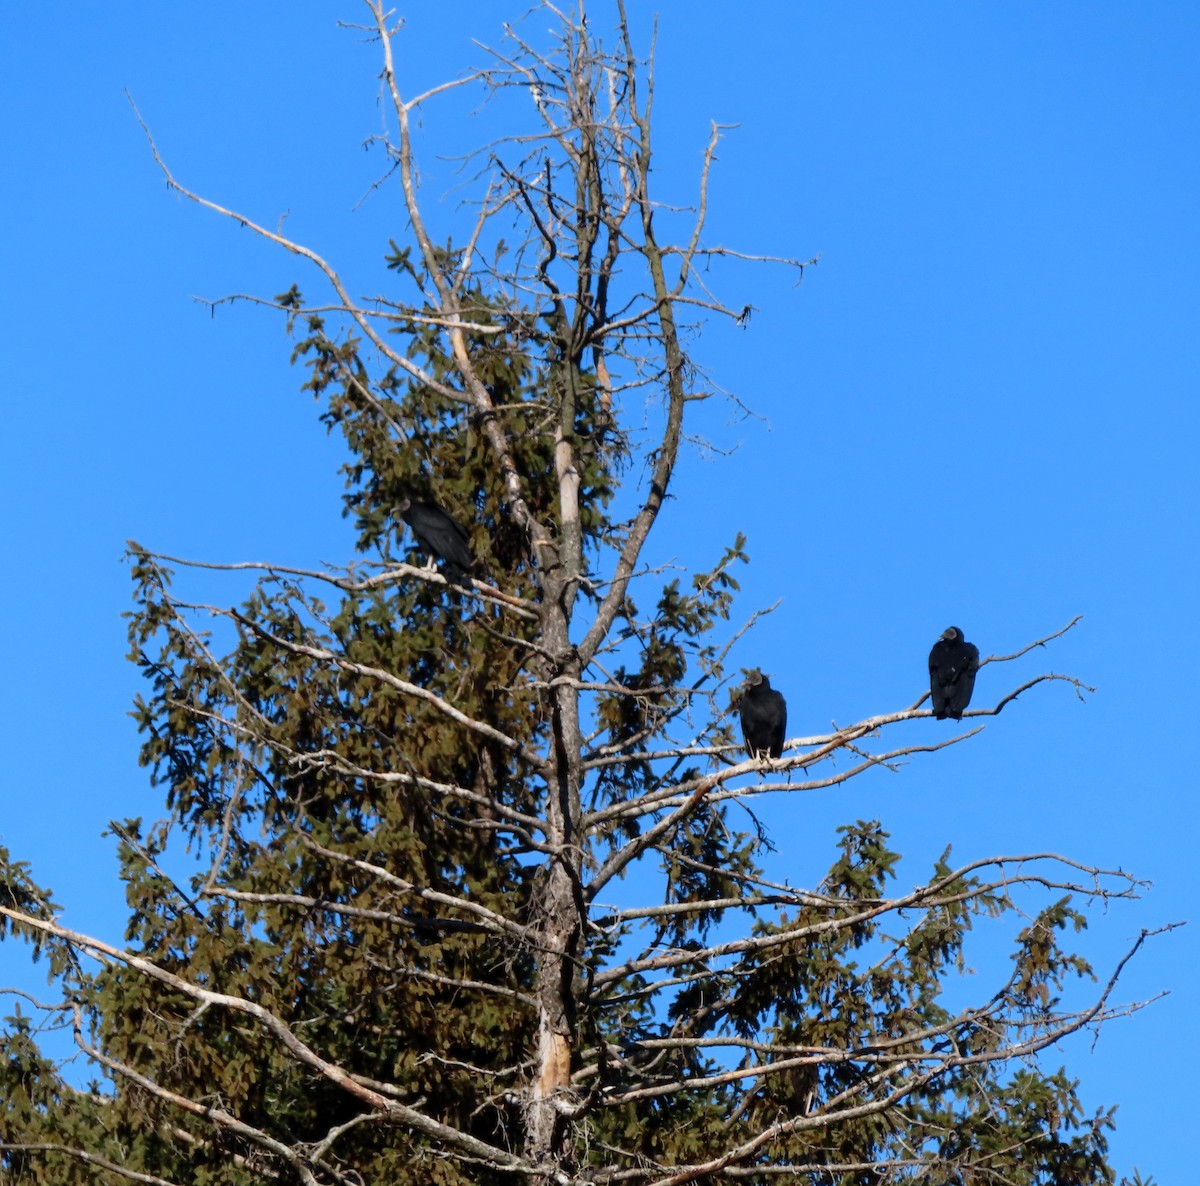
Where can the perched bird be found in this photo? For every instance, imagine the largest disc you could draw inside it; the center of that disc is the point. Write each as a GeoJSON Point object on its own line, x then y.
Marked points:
{"type": "Point", "coordinates": [764, 717]}
{"type": "Point", "coordinates": [440, 537]}
{"type": "Point", "coordinates": [953, 663]}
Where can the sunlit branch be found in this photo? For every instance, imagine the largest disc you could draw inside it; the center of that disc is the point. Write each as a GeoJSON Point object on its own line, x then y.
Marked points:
{"type": "Point", "coordinates": [406, 316]}
{"type": "Point", "coordinates": [392, 575]}
{"type": "Point", "coordinates": [207, 1111]}
{"type": "Point", "coordinates": [283, 1033]}
{"type": "Point", "coordinates": [359, 317]}
{"type": "Point", "coordinates": [859, 911]}
{"type": "Point", "coordinates": [526, 825]}
{"type": "Point", "coordinates": [82, 1155]}
{"type": "Point", "coordinates": [1041, 642]}
{"type": "Point", "coordinates": [482, 917]}
{"type": "Point", "coordinates": [445, 294]}
{"type": "Point", "coordinates": [322, 654]}
{"type": "Point", "coordinates": [818, 747]}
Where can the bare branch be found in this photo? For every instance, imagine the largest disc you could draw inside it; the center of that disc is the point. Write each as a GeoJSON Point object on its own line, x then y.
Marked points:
{"type": "Point", "coordinates": [93, 1159]}
{"type": "Point", "coordinates": [359, 317]}
{"type": "Point", "coordinates": [1041, 642]}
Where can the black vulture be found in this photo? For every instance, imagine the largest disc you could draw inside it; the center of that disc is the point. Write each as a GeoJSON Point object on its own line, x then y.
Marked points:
{"type": "Point", "coordinates": [440, 536]}
{"type": "Point", "coordinates": [764, 717]}
{"type": "Point", "coordinates": [953, 663]}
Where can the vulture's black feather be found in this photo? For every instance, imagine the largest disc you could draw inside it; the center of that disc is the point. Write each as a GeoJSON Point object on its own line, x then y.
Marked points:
{"type": "Point", "coordinates": [764, 717]}
{"type": "Point", "coordinates": [439, 535]}
{"type": "Point", "coordinates": [953, 663]}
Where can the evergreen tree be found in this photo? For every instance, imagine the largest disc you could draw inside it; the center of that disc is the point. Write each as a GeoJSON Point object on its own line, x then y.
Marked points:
{"type": "Point", "coordinates": [413, 800]}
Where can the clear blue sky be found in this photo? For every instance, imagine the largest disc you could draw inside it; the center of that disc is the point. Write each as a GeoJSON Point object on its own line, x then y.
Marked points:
{"type": "Point", "coordinates": [979, 409]}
